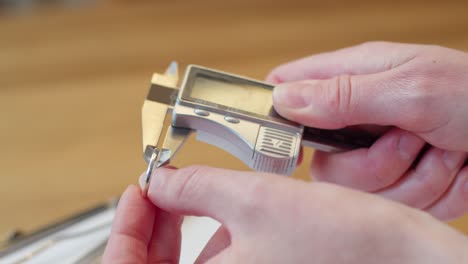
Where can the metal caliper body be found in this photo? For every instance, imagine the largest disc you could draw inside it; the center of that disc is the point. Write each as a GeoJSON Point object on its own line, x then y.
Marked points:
{"type": "Point", "coordinates": [234, 113]}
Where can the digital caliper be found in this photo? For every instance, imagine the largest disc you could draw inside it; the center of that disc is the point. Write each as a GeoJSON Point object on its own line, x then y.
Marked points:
{"type": "Point", "coordinates": [234, 113]}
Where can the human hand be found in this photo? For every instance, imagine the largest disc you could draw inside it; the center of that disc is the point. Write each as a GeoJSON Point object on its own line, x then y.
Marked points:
{"type": "Point", "coordinates": [142, 233]}
{"type": "Point", "coordinates": [420, 91]}
{"type": "Point", "coordinates": [271, 219]}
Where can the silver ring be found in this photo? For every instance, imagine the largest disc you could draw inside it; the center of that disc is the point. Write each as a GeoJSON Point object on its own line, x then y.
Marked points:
{"type": "Point", "coordinates": [153, 161]}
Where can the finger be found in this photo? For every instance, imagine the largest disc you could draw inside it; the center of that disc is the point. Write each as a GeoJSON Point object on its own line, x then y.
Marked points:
{"type": "Point", "coordinates": [131, 229]}
{"type": "Point", "coordinates": [454, 203]}
{"type": "Point", "coordinates": [220, 241]}
{"type": "Point", "coordinates": [345, 100]}
{"type": "Point", "coordinates": [142, 179]}
{"type": "Point", "coordinates": [429, 180]}
{"type": "Point", "coordinates": [165, 243]}
{"type": "Point", "coordinates": [224, 195]}
{"type": "Point", "coordinates": [369, 169]}
{"type": "Point", "coordinates": [301, 156]}
{"type": "Point", "coordinates": [164, 246]}
{"type": "Point", "coordinates": [367, 58]}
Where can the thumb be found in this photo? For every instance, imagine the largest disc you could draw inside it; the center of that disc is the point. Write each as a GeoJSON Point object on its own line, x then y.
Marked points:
{"type": "Point", "coordinates": [339, 102]}
{"type": "Point", "coordinates": [224, 195]}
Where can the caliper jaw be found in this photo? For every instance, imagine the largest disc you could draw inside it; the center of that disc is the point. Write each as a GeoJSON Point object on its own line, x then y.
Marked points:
{"type": "Point", "coordinates": [158, 132]}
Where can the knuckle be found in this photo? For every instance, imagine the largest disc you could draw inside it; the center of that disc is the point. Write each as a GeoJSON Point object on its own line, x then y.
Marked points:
{"type": "Point", "coordinates": [339, 95]}
{"type": "Point", "coordinates": [377, 173]}
{"type": "Point", "coordinates": [255, 197]}
{"type": "Point", "coordinates": [415, 92]}
{"type": "Point", "coordinates": [451, 211]}
{"type": "Point", "coordinates": [430, 189]}
{"type": "Point", "coordinates": [458, 205]}
{"type": "Point", "coordinates": [422, 99]}
{"type": "Point", "coordinates": [187, 183]}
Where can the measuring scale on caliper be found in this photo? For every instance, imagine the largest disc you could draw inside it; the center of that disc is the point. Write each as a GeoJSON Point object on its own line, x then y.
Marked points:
{"type": "Point", "coordinates": [234, 113]}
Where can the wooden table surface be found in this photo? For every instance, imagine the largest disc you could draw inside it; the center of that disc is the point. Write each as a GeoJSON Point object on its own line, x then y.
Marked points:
{"type": "Point", "coordinates": [72, 82]}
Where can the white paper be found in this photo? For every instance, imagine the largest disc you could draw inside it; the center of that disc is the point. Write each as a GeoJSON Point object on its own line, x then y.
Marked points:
{"type": "Point", "coordinates": [196, 231]}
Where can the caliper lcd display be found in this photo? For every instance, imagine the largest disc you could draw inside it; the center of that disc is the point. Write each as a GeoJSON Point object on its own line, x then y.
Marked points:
{"type": "Point", "coordinates": [234, 96]}
{"type": "Point", "coordinates": [229, 93]}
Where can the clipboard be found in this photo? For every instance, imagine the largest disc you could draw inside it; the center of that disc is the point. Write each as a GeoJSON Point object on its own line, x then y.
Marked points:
{"type": "Point", "coordinates": [78, 239]}
{"type": "Point", "coordinates": [88, 233]}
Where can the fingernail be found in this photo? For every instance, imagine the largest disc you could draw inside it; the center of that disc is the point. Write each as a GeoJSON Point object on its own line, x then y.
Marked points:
{"type": "Point", "coordinates": [408, 145]}
{"type": "Point", "coordinates": [453, 159]}
{"type": "Point", "coordinates": [275, 79]}
{"type": "Point", "coordinates": [290, 95]}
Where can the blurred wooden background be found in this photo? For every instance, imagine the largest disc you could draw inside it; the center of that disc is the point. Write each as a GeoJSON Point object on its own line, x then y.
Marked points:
{"type": "Point", "coordinates": [72, 81]}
